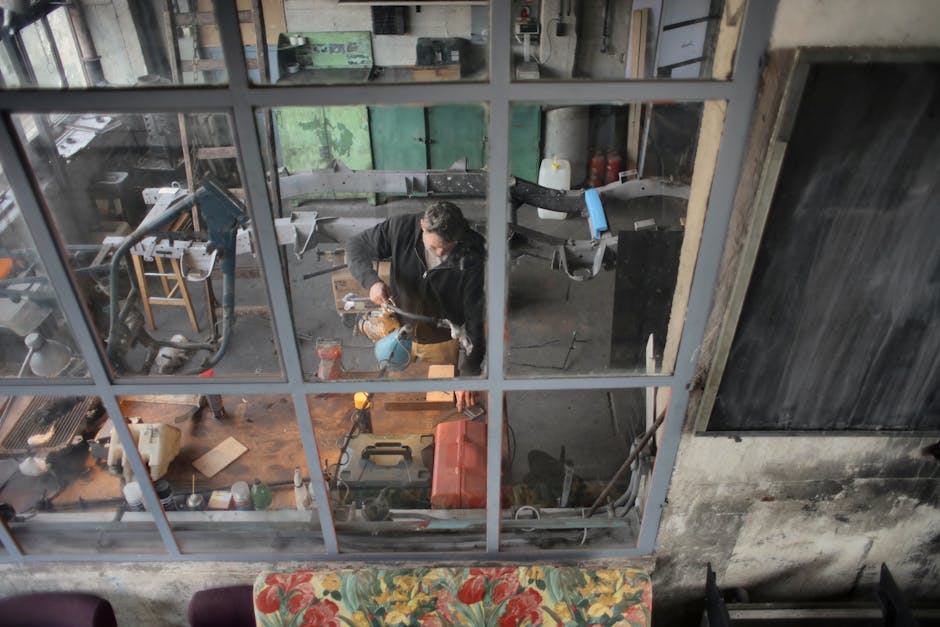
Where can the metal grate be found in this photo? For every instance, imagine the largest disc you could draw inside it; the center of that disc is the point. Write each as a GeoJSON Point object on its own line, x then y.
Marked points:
{"type": "Point", "coordinates": [65, 414]}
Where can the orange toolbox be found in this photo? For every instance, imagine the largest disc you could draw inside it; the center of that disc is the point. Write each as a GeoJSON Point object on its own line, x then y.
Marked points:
{"type": "Point", "coordinates": [458, 480]}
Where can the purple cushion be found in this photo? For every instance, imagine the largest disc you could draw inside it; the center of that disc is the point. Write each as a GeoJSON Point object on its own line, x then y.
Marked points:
{"type": "Point", "coordinates": [229, 606]}
{"type": "Point", "coordinates": [56, 609]}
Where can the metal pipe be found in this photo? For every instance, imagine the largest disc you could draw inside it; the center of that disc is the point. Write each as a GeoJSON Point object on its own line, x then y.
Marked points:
{"type": "Point", "coordinates": [91, 62]}
{"type": "Point", "coordinates": [626, 465]}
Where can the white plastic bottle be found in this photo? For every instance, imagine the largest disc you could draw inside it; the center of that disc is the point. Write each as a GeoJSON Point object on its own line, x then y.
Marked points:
{"type": "Point", "coordinates": [556, 174]}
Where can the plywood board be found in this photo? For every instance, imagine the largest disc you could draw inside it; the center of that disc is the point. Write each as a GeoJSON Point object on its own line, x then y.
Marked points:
{"type": "Point", "coordinates": [220, 457]}
{"type": "Point", "coordinates": [440, 371]}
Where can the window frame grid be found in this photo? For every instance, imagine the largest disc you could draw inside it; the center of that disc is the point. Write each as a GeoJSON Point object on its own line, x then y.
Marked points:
{"type": "Point", "coordinates": [239, 99]}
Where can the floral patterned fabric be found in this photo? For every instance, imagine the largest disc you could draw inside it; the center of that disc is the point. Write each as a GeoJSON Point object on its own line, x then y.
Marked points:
{"type": "Point", "coordinates": [440, 597]}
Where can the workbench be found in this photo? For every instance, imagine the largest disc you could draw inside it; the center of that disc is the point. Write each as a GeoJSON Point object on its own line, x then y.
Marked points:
{"type": "Point", "coordinates": [265, 424]}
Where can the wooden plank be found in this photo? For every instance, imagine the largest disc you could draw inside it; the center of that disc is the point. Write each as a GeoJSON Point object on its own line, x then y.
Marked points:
{"type": "Point", "coordinates": [639, 22]}
{"type": "Point", "coordinates": [168, 399]}
{"type": "Point", "coordinates": [440, 371]}
{"type": "Point", "coordinates": [221, 456]}
{"type": "Point", "coordinates": [418, 405]}
{"type": "Point", "coordinates": [436, 72]}
{"type": "Point", "coordinates": [344, 282]}
{"type": "Point", "coordinates": [275, 22]}
{"type": "Point", "coordinates": [217, 152]}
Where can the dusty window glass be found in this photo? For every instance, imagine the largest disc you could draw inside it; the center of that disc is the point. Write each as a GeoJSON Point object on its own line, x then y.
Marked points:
{"type": "Point", "coordinates": [163, 242]}
{"type": "Point", "coordinates": [640, 40]}
{"type": "Point", "coordinates": [353, 187]}
{"type": "Point", "coordinates": [578, 465]}
{"type": "Point", "coordinates": [405, 471]}
{"type": "Point", "coordinates": [35, 339]}
{"type": "Point", "coordinates": [229, 471]}
{"type": "Point", "coordinates": [600, 213]}
{"type": "Point", "coordinates": [60, 493]}
{"type": "Point", "coordinates": [146, 43]}
{"type": "Point", "coordinates": [315, 43]}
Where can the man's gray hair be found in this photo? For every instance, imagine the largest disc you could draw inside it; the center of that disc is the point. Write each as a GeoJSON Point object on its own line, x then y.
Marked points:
{"type": "Point", "coordinates": [445, 219]}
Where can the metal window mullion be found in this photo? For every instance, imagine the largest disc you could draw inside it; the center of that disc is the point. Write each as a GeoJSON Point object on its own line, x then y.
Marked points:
{"type": "Point", "coordinates": [151, 500]}
{"type": "Point", "coordinates": [10, 543]}
{"type": "Point", "coordinates": [753, 42]}
{"type": "Point", "coordinates": [498, 168]}
{"type": "Point", "coordinates": [269, 257]}
{"type": "Point", "coordinates": [73, 311]}
{"type": "Point", "coordinates": [56, 269]}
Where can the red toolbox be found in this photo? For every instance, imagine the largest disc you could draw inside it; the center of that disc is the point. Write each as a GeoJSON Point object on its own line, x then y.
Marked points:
{"type": "Point", "coordinates": [458, 480]}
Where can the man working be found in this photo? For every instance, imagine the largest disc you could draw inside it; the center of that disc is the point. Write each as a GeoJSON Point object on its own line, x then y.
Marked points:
{"type": "Point", "coordinates": [437, 270]}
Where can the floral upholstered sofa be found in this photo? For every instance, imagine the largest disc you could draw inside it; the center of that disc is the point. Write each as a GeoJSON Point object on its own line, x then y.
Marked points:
{"type": "Point", "coordinates": [439, 597]}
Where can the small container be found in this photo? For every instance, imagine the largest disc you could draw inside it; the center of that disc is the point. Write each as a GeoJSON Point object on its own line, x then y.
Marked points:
{"type": "Point", "coordinates": [556, 174]}
{"type": "Point", "coordinates": [261, 497]}
{"type": "Point", "coordinates": [330, 352]}
{"type": "Point", "coordinates": [195, 502]}
{"type": "Point", "coordinates": [133, 496]}
{"type": "Point", "coordinates": [165, 494]}
{"type": "Point", "coordinates": [241, 495]}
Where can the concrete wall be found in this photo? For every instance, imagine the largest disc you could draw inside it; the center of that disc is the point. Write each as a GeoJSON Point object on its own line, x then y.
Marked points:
{"type": "Point", "coordinates": [805, 517]}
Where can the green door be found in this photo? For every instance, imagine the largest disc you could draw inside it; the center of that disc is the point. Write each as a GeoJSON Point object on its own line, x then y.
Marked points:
{"type": "Point", "coordinates": [399, 139]}
{"type": "Point", "coordinates": [457, 132]}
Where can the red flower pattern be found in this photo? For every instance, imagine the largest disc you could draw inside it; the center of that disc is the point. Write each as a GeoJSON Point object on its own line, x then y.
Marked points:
{"type": "Point", "coordinates": [472, 590]}
{"type": "Point", "coordinates": [521, 607]}
{"type": "Point", "coordinates": [505, 589]}
{"type": "Point", "coordinates": [323, 613]}
{"type": "Point", "coordinates": [268, 600]}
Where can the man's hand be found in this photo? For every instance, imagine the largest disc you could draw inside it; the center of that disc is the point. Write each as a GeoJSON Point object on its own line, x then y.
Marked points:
{"type": "Point", "coordinates": [379, 293]}
{"type": "Point", "coordinates": [466, 399]}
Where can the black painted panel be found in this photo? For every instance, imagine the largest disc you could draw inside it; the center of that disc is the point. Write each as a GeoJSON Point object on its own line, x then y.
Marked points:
{"type": "Point", "coordinates": [841, 323]}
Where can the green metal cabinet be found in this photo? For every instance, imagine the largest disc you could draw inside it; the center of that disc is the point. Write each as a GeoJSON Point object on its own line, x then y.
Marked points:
{"type": "Point", "coordinates": [456, 132]}
{"type": "Point", "coordinates": [525, 136]}
{"type": "Point", "coordinates": [312, 137]}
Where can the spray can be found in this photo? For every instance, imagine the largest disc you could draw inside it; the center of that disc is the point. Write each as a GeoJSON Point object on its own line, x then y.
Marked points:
{"type": "Point", "coordinates": [133, 496]}
{"type": "Point", "coordinates": [301, 492]}
{"type": "Point", "coordinates": [614, 165]}
{"type": "Point", "coordinates": [165, 494]}
{"type": "Point", "coordinates": [596, 168]}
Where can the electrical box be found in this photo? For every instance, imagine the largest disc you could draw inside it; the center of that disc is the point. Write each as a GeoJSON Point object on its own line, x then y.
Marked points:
{"type": "Point", "coordinates": [526, 26]}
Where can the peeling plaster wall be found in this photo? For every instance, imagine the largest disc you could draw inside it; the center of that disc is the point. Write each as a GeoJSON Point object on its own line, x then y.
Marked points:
{"type": "Point", "coordinates": [805, 517]}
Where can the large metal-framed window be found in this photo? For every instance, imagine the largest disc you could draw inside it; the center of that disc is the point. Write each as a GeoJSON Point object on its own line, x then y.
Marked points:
{"type": "Point", "coordinates": [241, 100]}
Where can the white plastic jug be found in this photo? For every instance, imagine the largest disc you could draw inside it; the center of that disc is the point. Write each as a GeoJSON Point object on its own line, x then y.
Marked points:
{"type": "Point", "coordinates": [556, 174]}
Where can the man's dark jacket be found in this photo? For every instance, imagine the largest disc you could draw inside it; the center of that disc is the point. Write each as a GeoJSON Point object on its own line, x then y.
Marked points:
{"type": "Point", "coordinates": [452, 290]}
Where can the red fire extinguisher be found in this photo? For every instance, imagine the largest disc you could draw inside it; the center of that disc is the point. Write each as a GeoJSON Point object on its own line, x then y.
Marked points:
{"type": "Point", "coordinates": [596, 169]}
{"type": "Point", "coordinates": [614, 165]}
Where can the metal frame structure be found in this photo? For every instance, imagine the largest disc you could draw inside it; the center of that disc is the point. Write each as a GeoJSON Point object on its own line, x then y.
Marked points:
{"type": "Point", "coordinates": [239, 99]}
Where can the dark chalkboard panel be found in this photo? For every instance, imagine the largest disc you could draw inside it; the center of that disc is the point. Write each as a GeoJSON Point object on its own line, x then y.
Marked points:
{"type": "Point", "coordinates": [840, 327]}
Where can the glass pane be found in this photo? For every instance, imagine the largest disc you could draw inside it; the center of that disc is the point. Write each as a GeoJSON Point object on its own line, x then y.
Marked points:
{"type": "Point", "coordinates": [354, 185]}
{"type": "Point", "coordinates": [594, 278]}
{"type": "Point", "coordinates": [642, 40]}
{"type": "Point", "coordinates": [186, 294]}
{"type": "Point", "coordinates": [405, 471]}
{"type": "Point", "coordinates": [225, 469]}
{"type": "Point", "coordinates": [59, 479]}
{"type": "Point", "coordinates": [358, 42]}
{"type": "Point", "coordinates": [147, 43]}
{"type": "Point", "coordinates": [579, 468]}
{"type": "Point", "coordinates": [35, 340]}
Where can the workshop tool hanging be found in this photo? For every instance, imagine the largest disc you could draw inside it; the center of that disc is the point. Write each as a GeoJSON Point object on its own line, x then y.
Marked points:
{"type": "Point", "coordinates": [223, 215]}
